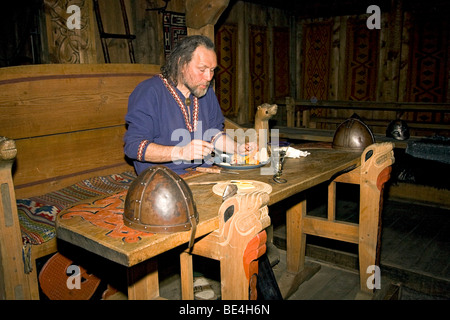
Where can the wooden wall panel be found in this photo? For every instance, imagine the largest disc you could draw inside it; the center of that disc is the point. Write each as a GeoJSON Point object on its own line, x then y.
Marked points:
{"type": "Point", "coordinates": [256, 70]}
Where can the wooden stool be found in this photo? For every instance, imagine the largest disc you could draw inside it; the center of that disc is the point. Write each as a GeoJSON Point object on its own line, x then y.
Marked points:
{"type": "Point", "coordinates": [240, 237]}
{"type": "Point", "coordinates": [376, 161]}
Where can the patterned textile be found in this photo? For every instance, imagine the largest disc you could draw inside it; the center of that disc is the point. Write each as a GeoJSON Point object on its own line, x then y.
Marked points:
{"type": "Point", "coordinates": [37, 221]}
{"type": "Point", "coordinates": [259, 74]}
{"type": "Point", "coordinates": [316, 64]}
{"type": "Point", "coordinates": [226, 76]}
{"type": "Point", "coordinates": [174, 29]}
{"type": "Point", "coordinates": [362, 61]}
{"type": "Point", "coordinates": [281, 62]}
{"type": "Point", "coordinates": [428, 71]}
{"type": "Point", "coordinates": [107, 213]}
{"type": "Point", "coordinates": [37, 215]}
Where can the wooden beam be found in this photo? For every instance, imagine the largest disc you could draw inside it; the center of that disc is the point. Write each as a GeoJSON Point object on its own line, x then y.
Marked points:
{"type": "Point", "coordinates": [200, 13]}
{"type": "Point", "coordinates": [343, 231]}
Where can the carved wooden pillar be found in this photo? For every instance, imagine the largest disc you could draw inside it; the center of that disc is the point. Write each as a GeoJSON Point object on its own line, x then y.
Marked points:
{"type": "Point", "coordinates": [67, 45]}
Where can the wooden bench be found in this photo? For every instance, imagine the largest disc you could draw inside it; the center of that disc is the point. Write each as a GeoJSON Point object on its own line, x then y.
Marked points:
{"type": "Point", "coordinates": [66, 124]}
{"type": "Point", "coordinates": [297, 119]}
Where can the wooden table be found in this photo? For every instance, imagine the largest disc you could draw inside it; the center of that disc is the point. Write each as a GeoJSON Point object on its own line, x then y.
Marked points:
{"type": "Point", "coordinates": [301, 174]}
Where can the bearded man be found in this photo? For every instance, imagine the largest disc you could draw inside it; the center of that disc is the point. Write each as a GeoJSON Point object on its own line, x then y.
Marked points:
{"type": "Point", "coordinates": [174, 118]}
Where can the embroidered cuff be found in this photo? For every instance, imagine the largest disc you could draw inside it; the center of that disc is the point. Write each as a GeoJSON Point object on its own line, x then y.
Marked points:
{"type": "Point", "coordinates": [141, 150]}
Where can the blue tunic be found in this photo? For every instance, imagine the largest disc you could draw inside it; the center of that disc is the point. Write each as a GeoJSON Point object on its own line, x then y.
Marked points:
{"type": "Point", "coordinates": [154, 116]}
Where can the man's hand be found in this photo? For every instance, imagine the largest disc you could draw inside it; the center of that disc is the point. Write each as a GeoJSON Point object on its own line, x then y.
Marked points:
{"type": "Point", "coordinates": [247, 148]}
{"type": "Point", "coordinates": [196, 149]}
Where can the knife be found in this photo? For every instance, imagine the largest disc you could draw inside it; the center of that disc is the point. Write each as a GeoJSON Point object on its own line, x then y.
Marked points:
{"type": "Point", "coordinates": [213, 170]}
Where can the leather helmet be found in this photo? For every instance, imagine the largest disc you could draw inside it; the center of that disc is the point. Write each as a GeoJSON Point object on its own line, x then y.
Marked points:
{"type": "Point", "coordinates": [353, 135]}
{"type": "Point", "coordinates": [397, 129]}
{"type": "Point", "coordinates": [160, 201]}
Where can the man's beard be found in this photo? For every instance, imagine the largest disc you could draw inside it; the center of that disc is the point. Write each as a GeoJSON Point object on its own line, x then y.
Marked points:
{"type": "Point", "coordinates": [196, 90]}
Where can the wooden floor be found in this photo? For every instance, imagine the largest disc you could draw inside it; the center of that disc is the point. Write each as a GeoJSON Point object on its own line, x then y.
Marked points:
{"type": "Point", "coordinates": [415, 247]}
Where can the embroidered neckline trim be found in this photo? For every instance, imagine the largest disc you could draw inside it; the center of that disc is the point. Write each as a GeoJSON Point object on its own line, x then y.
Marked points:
{"type": "Point", "coordinates": [191, 127]}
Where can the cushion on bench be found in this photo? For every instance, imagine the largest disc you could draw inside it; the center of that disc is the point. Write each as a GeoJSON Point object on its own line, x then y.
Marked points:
{"type": "Point", "coordinates": [37, 215]}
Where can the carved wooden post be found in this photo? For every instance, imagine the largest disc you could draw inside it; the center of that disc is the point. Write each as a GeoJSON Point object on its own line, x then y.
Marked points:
{"type": "Point", "coordinates": [14, 284]}
{"type": "Point", "coordinates": [237, 244]}
{"type": "Point", "coordinates": [241, 219]}
{"type": "Point", "coordinates": [376, 162]}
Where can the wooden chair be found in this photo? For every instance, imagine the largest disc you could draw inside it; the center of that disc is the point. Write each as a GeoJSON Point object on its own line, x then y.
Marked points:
{"type": "Point", "coordinates": [376, 161]}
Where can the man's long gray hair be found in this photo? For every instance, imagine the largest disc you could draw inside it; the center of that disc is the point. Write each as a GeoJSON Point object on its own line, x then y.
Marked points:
{"type": "Point", "coordinates": [182, 54]}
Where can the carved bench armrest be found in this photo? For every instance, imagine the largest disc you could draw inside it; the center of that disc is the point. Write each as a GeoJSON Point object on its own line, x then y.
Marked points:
{"type": "Point", "coordinates": [8, 150]}
{"type": "Point", "coordinates": [15, 284]}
